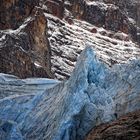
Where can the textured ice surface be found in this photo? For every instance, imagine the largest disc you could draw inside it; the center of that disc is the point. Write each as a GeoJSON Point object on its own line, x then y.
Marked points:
{"type": "Point", "coordinates": [94, 94]}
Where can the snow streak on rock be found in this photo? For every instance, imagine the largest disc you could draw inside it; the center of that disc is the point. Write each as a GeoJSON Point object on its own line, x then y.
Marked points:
{"type": "Point", "coordinates": [67, 41]}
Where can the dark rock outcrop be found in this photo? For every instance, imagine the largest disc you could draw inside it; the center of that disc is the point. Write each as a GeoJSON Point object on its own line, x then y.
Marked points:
{"type": "Point", "coordinates": [112, 15]}
{"type": "Point", "coordinates": [14, 12]}
{"type": "Point", "coordinates": [125, 128]}
{"type": "Point", "coordinates": [25, 51]}
{"type": "Point", "coordinates": [55, 7]}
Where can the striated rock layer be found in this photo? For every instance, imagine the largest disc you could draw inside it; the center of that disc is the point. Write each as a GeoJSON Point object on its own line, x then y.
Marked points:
{"type": "Point", "coordinates": [93, 95]}
{"type": "Point", "coordinates": [115, 15]}
{"type": "Point", "coordinates": [46, 41]}
{"type": "Point", "coordinates": [68, 40]}
{"type": "Point", "coordinates": [54, 7]}
{"type": "Point", "coordinates": [125, 128]}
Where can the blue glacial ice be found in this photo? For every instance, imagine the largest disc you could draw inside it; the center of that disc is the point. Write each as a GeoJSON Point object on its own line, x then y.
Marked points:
{"type": "Point", "coordinates": [53, 110]}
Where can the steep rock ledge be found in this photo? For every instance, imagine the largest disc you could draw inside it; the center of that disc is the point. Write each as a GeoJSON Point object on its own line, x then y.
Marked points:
{"type": "Point", "coordinates": [68, 40]}
{"type": "Point", "coordinates": [126, 127]}
{"type": "Point", "coordinates": [111, 15]}
{"type": "Point", "coordinates": [67, 37]}
{"type": "Point", "coordinates": [25, 51]}
{"type": "Point", "coordinates": [54, 7]}
{"type": "Point", "coordinates": [14, 12]}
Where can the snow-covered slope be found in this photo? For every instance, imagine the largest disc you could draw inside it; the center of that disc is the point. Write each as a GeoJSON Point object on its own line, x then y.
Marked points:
{"type": "Point", "coordinates": [67, 41]}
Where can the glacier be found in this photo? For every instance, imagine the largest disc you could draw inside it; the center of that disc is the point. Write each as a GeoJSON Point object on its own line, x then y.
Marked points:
{"type": "Point", "coordinates": [43, 109]}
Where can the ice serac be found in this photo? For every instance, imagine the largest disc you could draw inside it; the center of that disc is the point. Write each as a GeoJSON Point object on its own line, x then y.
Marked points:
{"type": "Point", "coordinates": [93, 95]}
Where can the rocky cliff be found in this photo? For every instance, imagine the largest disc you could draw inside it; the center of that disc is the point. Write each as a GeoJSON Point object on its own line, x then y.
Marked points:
{"type": "Point", "coordinates": [25, 51]}
{"type": "Point", "coordinates": [44, 38]}
{"type": "Point", "coordinates": [14, 12]}
{"type": "Point", "coordinates": [125, 128]}
{"type": "Point", "coordinates": [45, 41]}
{"type": "Point", "coordinates": [116, 15]}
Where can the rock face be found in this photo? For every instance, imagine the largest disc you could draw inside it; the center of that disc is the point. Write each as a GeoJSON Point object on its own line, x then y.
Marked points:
{"type": "Point", "coordinates": [48, 46]}
{"type": "Point", "coordinates": [112, 15]}
{"type": "Point", "coordinates": [14, 12]}
{"type": "Point", "coordinates": [25, 51]}
{"type": "Point", "coordinates": [55, 7]}
{"type": "Point", "coordinates": [125, 128]}
{"type": "Point", "coordinates": [67, 41]}
{"type": "Point", "coordinates": [93, 95]}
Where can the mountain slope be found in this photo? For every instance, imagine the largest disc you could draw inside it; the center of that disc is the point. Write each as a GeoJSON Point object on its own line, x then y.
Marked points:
{"type": "Point", "coordinates": [46, 41]}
